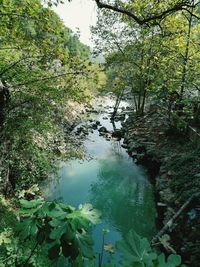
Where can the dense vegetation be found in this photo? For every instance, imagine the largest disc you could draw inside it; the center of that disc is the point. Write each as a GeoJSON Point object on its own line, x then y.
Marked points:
{"type": "Point", "coordinates": [43, 66]}
{"type": "Point", "coordinates": [160, 61]}
{"type": "Point", "coordinates": [151, 51]}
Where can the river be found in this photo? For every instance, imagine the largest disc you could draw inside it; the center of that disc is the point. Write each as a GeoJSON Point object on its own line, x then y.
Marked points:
{"type": "Point", "coordinates": [108, 179]}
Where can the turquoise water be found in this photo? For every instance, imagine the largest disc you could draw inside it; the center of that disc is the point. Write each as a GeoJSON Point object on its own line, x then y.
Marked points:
{"type": "Point", "coordinates": [110, 180]}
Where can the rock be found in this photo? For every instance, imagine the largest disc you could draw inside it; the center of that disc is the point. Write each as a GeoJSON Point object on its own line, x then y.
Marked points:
{"type": "Point", "coordinates": [79, 130]}
{"type": "Point", "coordinates": [94, 126]}
{"type": "Point", "coordinates": [98, 123]}
{"type": "Point", "coordinates": [82, 130]}
{"type": "Point", "coordinates": [133, 146]}
{"type": "Point", "coordinates": [140, 157]}
{"type": "Point", "coordinates": [124, 146]}
{"type": "Point", "coordinates": [91, 110]}
{"type": "Point", "coordinates": [116, 138]}
{"type": "Point", "coordinates": [133, 154]}
{"type": "Point", "coordinates": [103, 130]}
{"type": "Point", "coordinates": [120, 117]}
{"type": "Point", "coordinates": [117, 134]}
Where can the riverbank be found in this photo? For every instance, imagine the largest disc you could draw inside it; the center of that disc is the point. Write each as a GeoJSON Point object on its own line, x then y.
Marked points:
{"type": "Point", "coordinates": [173, 164]}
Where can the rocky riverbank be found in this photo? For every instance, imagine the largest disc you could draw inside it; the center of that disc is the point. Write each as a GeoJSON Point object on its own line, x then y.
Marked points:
{"type": "Point", "coordinates": [173, 165]}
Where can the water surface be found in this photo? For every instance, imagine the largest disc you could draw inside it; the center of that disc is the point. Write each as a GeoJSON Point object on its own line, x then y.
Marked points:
{"type": "Point", "coordinates": [110, 180]}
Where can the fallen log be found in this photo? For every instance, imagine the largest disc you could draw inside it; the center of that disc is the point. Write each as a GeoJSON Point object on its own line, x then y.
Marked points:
{"type": "Point", "coordinates": [175, 216]}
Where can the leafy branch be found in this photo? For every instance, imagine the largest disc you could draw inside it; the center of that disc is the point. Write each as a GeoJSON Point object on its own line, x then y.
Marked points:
{"type": "Point", "coordinates": [183, 5]}
{"type": "Point", "coordinates": [48, 78]}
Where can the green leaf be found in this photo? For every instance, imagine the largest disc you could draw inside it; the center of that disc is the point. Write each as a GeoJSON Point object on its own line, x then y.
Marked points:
{"type": "Point", "coordinates": [53, 253]}
{"type": "Point", "coordinates": [58, 231]}
{"type": "Point", "coordinates": [29, 211]}
{"type": "Point", "coordinates": [89, 213]}
{"type": "Point", "coordinates": [31, 204]}
{"type": "Point", "coordinates": [172, 261]}
{"type": "Point", "coordinates": [28, 227]}
{"type": "Point", "coordinates": [70, 248]}
{"type": "Point", "coordinates": [136, 250]}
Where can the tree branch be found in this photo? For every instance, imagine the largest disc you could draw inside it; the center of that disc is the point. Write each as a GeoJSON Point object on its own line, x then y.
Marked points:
{"type": "Point", "coordinates": [47, 78]}
{"type": "Point", "coordinates": [192, 14]}
{"type": "Point", "coordinates": [10, 48]}
{"type": "Point", "coordinates": [174, 217]}
{"type": "Point", "coordinates": [13, 64]}
{"type": "Point", "coordinates": [177, 7]}
{"type": "Point", "coordinates": [119, 10]}
{"type": "Point", "coordinates": [12, 14]}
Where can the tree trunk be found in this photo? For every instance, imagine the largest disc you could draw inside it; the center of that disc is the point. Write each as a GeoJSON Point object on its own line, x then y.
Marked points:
{"type": "Point", "coordinates": [117, 103]}
{"type": "Point", "coordinates": [186, 57]}
{"type": "Point", "coordinates": [143, 101]}
{"type": "Point", "coordinates": [4, 98]}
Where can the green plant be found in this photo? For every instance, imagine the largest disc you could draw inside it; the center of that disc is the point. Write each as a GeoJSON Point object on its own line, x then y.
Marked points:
{"type": "Point", "coordinates": [179, 124]}
{"type": "Point", "coordinates": [59, 229]}
{"type": "Point", "coordinates": [49, 232]}
{"type": "Point", "coordinates": [137, 252]}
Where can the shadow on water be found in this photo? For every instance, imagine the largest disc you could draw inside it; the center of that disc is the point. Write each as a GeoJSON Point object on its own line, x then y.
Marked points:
{"type": "Point", "coordinates": [112, 183]}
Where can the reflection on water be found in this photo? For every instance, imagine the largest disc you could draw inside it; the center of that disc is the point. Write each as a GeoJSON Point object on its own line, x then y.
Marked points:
{"type": "Point", "coordinates": [124, 195]}
{"type": "Point", "coordinates": [112, 183]}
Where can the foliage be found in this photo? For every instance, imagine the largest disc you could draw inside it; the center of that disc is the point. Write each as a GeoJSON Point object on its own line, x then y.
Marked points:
{"type": "Point", "coordinates": [43, 65]}
{"type": "Point", "coordinates": [54, 229]}
{"type": "Point", "coordinates": [136, 251]}
{"type": "Point", "coordinates": [49, 232]}
{"type": "Point", "coordinates": [149, 60]}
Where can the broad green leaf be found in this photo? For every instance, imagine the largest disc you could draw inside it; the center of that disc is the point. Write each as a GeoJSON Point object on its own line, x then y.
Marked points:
{"type": "Point", "coordinates": [89, 213]}
{"type": "Point", "coordinates": [31, 204]}
{"type": "Point", "coordinates": [27, 228]}
{"type": "Point", "coordinates": [136, 250]}
{"type": "Point", "coordinates": [58, 231]}
{"type": "Point", "coordinates": [85, 244]}
{"type": "Point", "coordinates": [53, 252]}
{"type": "Point", "coordinates": [172, 261]}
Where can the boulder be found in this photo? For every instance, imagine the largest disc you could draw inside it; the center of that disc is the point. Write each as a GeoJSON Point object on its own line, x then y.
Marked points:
{"type": "Point", "coordinates": [103, 130]}
{"type": "Point", "coordinates": [117, 134]}
{"type": "Point", "coordinates": [124, 146]}
{"type": "Point", "coordinates": [98, 123]}
{"type": "Point", "coordinates": [94, 126]}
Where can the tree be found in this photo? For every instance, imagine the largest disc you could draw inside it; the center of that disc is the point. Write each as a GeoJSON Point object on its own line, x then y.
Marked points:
{"type": "Point", "coordinates": [42, 66]}
{"type": "Point", "coordinates": [144, 12]}
{"type": "Point", "coordinates": [147, 60]}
